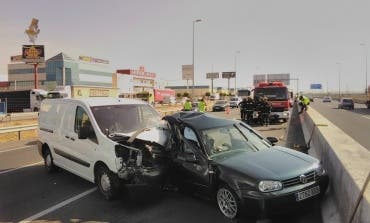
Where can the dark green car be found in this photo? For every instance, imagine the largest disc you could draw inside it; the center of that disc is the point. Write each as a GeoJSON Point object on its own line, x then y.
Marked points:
{"type": "Point", "coordinates": [244, 172]}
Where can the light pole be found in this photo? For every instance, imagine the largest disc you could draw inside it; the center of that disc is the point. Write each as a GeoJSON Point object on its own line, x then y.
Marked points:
{"type": "Point", "coordinates": [365, 48]}
{"type": "Point", "coordinates": [236, 53]}
{"type": "Point", "coordinates": [195, 21]}
{"type": "Point", "coordinates": [339, 69]}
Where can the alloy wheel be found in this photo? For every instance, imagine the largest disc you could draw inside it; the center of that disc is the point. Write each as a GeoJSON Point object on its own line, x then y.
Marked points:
{"type": "Point", "coordinates": [227, 203]}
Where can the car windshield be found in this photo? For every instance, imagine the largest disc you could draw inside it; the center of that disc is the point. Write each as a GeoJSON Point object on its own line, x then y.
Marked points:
{"type": "Point", "coordinates": [232, 138]}
{"type": "Point", "coordinates": [272, 93]}
{"type": "Point", "coordinates": [125, 118]}
{"type": "Point", "coordinates": [234, 99]}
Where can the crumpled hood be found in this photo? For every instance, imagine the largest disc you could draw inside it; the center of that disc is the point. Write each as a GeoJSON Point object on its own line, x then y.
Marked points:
{"type": "Point", "coordinates": [276, 163]}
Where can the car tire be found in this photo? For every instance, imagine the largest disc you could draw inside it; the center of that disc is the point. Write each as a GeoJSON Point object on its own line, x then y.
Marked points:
{"type": "Point", "coordinates": [49, 162]}
{"type": "Point", "coordinates": [228, 202]}
{"type": "Point", "coordinates": [108, 182]}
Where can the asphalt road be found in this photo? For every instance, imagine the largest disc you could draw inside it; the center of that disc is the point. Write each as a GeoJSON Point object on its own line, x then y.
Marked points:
{"type": "Point", "coordinates": [29, 194]}
{"type": "Point", "coordinates": [355, 123]}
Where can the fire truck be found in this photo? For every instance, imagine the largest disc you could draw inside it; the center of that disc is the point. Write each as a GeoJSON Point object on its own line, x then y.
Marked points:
{"type": "Point", "coordinates": [277, 95]}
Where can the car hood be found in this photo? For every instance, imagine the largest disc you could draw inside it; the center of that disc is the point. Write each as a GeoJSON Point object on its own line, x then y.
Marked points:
{"type": "Point", "coordinates": [276, 163]}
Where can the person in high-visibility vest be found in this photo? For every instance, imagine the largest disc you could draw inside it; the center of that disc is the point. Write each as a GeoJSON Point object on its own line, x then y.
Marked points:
{"type": "Point", "coordinates": [187, 105]}
{"type": "Point", "coordinates": [303, 102]}
{"type": "Point", "coordinates": [202, 106]}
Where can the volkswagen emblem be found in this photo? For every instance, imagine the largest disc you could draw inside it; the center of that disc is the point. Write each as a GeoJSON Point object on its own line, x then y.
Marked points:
{"type": "Point", "coordinates": [303, 179]}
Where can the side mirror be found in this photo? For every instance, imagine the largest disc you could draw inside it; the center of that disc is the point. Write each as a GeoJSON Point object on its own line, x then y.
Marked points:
{"type": "Point", "coordinates": [191, 157]}
{"type": "Point", "coordinates": [272, 140]}
{"type": "Point", "coordinates": [85, 132]}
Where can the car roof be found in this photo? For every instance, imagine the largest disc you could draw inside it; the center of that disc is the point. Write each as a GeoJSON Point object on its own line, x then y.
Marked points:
{"type": "Point", "coordinates": [200, 121]}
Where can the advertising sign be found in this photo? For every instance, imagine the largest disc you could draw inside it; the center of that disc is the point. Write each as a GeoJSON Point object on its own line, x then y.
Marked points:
{"type": "Point", "coordinates": [315, 86]}
{"type": "Point", "coordinates": [187, 72]}
{"type": "Point", "coordinates": [15, 59]}
{"type": "Point", "coordinates": [228, 75]}
{"type": "Point", "coordinates": [258, 78]}
{"type": "Point", "coordinates": [285, 78]}
{"type": "Point", "coordinates": [213, 75]}
{"type": "Point", "coordinates": [33, 54]}
{"type": "Point", "coordinates": [93, 60]}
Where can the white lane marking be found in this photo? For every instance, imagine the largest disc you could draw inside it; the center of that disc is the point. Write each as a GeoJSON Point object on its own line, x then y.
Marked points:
{"type": "Point", "coordinates": [24, 147]}
{"type": "Point", "coordinates": [366, 117]}
{"type": "Point", "coordinates": [57, 206]}
{"type": "Point", "coordinates": [32, 164]}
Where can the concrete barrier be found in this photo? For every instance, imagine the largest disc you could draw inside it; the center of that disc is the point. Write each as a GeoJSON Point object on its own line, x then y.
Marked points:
{"type": "Point", "coordinates": [347, 163]}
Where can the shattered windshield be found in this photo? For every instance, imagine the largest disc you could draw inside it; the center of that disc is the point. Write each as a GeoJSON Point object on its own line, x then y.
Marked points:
{"type": "Point", "coordinates": [125, 118]}
{"type": "Point", "coordinates": [232, 138]}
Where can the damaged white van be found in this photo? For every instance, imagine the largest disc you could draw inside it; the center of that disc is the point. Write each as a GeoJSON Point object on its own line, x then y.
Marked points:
{"type": "Point", "coordinates": [108, 141]}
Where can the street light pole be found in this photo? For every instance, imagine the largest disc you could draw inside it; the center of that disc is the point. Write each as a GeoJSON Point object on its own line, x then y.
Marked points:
{"type": "Point", "coordinates": [339, 70]}
{"type": "Point", "coordinates": [236, 53]}
{"type": "Point", "coordinates": [365, 47]}
{"type": "Point", "coordinates": [195, 21]}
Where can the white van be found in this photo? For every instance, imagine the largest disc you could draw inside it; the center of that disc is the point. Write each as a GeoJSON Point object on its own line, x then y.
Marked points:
{"type": "Point", "coordinates": [108, 141]}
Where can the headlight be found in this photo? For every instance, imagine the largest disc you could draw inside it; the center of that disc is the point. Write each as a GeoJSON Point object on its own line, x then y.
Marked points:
{"type": "Point", "coordinates": [268, 186]}
{"type": "Point", "coordinates": [320, 170]}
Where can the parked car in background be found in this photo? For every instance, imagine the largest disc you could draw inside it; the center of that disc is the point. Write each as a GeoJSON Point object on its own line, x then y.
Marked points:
{"type": "Point", "coordinates": [234, 102]}
{"type": "Point", "coordinates": [220, 105]}
{"type": "Point", "coordinates": [346, 103]}
{"type": "Point", "coordinates": [326, 99]}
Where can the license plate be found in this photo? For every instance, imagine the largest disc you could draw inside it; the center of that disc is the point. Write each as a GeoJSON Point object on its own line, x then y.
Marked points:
{"type": "Point", "coordinates": [307, 193]}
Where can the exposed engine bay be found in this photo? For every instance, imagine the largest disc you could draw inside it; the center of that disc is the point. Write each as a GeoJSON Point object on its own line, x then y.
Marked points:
{"type": "Point", "coordinates": [142, 157]}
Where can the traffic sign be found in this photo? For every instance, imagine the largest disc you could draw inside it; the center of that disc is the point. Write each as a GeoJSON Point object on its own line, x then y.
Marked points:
{"type": "Point", "coordinates": [213, 75]}
{"type": "Point", "coordinates": [187, 72]}
{"type": "Point", "coordinates": [315, 86]}
{"type": "Point", "coordinates": [228, 75]}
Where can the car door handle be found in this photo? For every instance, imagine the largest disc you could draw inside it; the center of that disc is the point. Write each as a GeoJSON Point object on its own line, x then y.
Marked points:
{"type": "Point", "coordinates": [73, 139]}
{"type": "Point", "coordinates": [67, 137]}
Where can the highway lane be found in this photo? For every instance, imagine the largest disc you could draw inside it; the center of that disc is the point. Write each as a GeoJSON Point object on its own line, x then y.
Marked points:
{"type": "Point", "coordinates": [355, 123]}
{"type": "Point", "coordinates": [31, 193]}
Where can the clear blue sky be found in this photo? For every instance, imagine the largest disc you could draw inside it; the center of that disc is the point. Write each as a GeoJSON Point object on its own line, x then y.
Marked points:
{"type": "Point", "coordinates": [304, 38]}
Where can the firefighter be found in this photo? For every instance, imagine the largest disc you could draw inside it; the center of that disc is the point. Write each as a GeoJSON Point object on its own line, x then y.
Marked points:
{"type": "Point", "coordinates": [249, 109]}
{"type": "Point", "coordinates": [265, 111]}
{"type": "Point", "coordinates": [242, 106]}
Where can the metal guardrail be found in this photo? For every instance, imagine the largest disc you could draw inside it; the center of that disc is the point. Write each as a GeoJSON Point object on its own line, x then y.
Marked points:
{"type": "Point", "coordinates": [18, 129]}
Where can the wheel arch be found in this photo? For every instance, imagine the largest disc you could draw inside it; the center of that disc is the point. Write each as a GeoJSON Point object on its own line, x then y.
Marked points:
{"type": "Point", "coordinates": [98, 164]}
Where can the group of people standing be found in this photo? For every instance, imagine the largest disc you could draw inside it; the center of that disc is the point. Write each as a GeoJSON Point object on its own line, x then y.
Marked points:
{"type": "Point", "coordinates": [261, 107]}
{"type": "Point", "coordinates": [202, 106]}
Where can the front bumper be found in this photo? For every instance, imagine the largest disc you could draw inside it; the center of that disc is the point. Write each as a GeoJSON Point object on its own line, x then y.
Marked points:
{"type": "Point", "coordinates": [280, 115]}
{"type": "Point", "coordinates": [280, 202]}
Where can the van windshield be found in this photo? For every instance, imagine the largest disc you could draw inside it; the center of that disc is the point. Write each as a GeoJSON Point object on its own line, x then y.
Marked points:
{"type": "Point", "coordinates": [125, 118]}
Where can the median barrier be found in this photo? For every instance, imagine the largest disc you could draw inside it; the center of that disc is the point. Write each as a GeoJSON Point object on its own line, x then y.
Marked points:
{"type": "Point", "coordinates": [347, 163]}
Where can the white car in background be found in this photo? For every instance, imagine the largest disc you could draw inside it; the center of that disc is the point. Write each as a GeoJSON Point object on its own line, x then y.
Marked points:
{"type": "Point", "coordinates": [326, 99]}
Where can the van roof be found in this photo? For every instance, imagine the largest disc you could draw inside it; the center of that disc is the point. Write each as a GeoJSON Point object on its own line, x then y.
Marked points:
{"type": "Point", "coordinates": [101, 101]}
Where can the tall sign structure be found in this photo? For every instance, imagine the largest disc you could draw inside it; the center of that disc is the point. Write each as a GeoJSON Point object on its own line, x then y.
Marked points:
{"type": "Point", "coordinates": [33, 54]}
{"type": "Point", "coordinates": [228, 76]}
{"type": "Point", "coordinates": [212, 76]}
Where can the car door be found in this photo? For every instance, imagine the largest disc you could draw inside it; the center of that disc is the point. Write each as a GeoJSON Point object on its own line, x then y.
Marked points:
{"type": "Point", "coordinates": [190, 163]}
{"type": "Point", "coordinates": [81, 151]}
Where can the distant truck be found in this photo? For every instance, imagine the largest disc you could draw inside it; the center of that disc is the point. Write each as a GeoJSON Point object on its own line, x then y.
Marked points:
{"type": "Point", "coordinates": [368, 97]}
{"type": "Point", "coordinates": [164, 96]}
{"type": "Point", "coordinates": [242, 93]}
{"type": "Point", "coordinates": [81, 91]}
{"type": "Point", "coordinates": [277, 95]}
{"type": "Point", "coordinates": [23, 100]}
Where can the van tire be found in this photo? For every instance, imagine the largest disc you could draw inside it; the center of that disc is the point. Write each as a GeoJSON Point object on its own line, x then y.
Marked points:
{"type": "Point", "coordinates": [108, 183]}
{"type": "Point", "coordinates": [49, 162]}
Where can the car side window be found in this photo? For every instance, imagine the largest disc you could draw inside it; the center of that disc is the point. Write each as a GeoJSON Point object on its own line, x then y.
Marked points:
{"type": "Point", "coordinates": [191, 139]}
{"type": "Point", "coordinates": [82, 120]}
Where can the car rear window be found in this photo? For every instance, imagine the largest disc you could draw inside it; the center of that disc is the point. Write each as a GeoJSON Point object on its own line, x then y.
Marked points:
{"type": "Point", "coordinates": [347, 100]}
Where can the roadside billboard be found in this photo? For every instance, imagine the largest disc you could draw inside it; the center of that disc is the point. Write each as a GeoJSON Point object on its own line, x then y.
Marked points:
{"type": "Point", "coordinates": [92, 60]}
{"type": "Point", "coordinates": [285, 78]}
{"type": "Point", "coordinates": [33, 54]}
{"type": "Point", "coordinates": [228, 75]}
{"type": "Point", "coordinates": [214, 75]}
{"type": "Point", "coordinates": [258, 78]}
{"type": "Point", "coordinates": [187, 72]}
